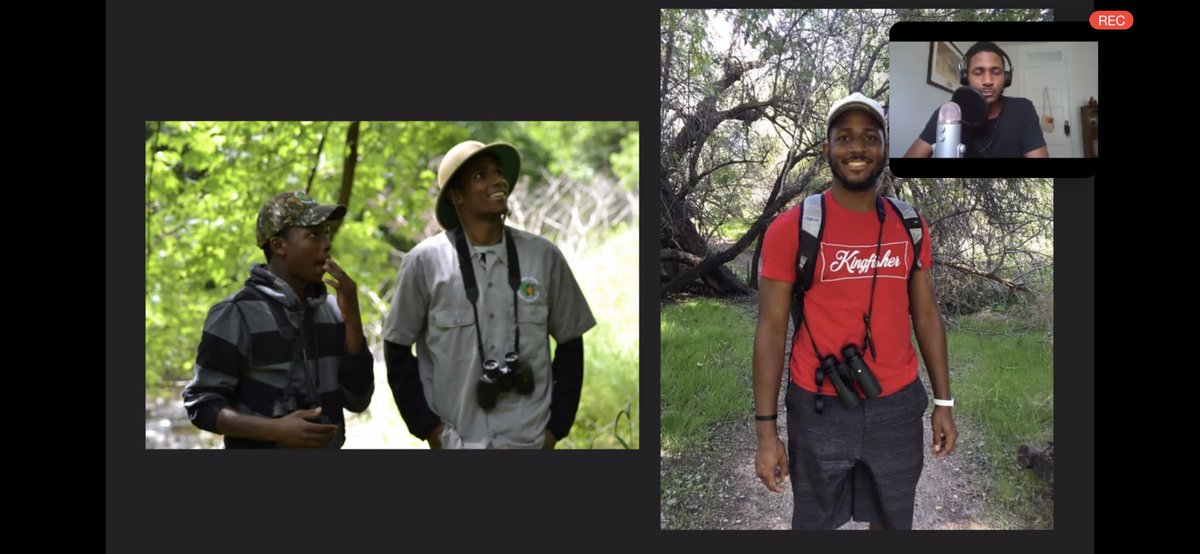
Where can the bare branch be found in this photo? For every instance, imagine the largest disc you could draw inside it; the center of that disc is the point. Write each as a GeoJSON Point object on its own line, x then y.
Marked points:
{"type": "Point", "coordinates": [1011, 285]}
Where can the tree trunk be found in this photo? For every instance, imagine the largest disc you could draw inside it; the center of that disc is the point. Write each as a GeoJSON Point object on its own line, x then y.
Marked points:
{"type": "Point", "coordinates": [757, 255]}
{"type": "Point", "coordinates": [351, 162]}
{"type": "Point", "coordinates": [348, 167]}
{"type": "Point", "coordinates": [679, 234]}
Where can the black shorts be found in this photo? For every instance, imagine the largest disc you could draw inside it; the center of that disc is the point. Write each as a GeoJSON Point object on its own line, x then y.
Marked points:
{"type": "Point", "coordinates": [862, 463]}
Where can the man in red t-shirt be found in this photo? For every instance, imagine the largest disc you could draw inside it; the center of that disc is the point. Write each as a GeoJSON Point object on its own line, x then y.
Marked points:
{"type": "Point", "coordinates": [861, 462]}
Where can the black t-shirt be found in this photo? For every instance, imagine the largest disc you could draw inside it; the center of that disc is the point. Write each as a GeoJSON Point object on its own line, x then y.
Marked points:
{"type": "Point", "coordinates": [1013, 133]}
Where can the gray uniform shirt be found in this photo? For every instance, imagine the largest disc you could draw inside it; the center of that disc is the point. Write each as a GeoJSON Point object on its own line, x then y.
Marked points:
{"type": "Point", "coordinates": [430, 308]}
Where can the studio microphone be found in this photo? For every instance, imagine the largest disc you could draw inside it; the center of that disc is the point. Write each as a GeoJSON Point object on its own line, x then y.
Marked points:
{"type": "Point", "coordinates": [949, 132]}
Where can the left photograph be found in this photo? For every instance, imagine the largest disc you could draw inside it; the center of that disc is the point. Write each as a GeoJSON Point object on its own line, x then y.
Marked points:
{"type": "Point", "coordinates": [379, 285]}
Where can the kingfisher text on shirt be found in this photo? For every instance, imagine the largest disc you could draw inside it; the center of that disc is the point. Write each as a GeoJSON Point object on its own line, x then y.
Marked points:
{"type": "Point", "coordinates": [840, 261]}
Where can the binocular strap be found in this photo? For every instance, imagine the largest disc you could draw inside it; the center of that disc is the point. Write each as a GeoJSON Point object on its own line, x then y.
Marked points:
{"type": "Point", "coordinates": [868, 343]}
{"type": "Point", "coordinates": [297, 343]}
{"type": "Point", "coordinates": [472, 287]}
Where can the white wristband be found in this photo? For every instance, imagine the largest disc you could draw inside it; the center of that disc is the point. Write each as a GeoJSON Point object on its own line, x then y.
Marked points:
{"type": "Point", "coordinates": [946, 403]}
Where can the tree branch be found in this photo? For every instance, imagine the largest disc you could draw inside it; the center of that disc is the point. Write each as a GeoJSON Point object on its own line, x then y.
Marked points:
{"type": "Point", "coordinates": [714, 260]}
{"type": "Point", "coordinates": [351, 163]}
{"type": "Point", "coordinates": [317, 161]}
{"type": "Point", "coordinates": [676, 255]}
{"type": "Point", "coordinates": [708, 172]}
{"type": "Point", "coordinates": [149, 177]}
{"type": "Point", "coordinates": [747, 111]}
{"type": "Point", "coordinates": [1011, 285]}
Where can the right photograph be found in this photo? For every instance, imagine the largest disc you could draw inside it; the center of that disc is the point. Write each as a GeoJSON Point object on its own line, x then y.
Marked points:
{"type": "Point", "coordinates": [842, 348]}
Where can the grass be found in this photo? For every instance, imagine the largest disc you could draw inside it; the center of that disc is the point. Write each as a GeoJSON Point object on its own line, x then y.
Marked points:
{"type": "Point", "coordinates": [735, 229]}
{"type": "Point", "coordinates": [608, 408]}
{"type": "Point", "coordinates": [1003, 379]}
{"type": "Point", "coordinates": [706, 360]}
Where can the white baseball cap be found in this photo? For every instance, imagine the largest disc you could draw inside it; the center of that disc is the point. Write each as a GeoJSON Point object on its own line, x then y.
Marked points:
{"type": "Point", "coordinates": [857, 101]}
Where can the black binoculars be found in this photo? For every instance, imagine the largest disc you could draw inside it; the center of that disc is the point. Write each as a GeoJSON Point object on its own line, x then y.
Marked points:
{"type": "Point", "coordinates": [843, 373]}
{"type": "Point", "coordinates": [500, 377]}
{"type": "Point", "coordinates": [287, 405]}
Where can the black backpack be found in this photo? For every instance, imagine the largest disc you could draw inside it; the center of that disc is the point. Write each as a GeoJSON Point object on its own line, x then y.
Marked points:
{"type": "Point", "coordinates": [812, 228]}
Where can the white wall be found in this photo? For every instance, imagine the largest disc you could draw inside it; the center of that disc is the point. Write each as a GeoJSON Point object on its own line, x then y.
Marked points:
{"type": "Point", "coordinates": [1085, 73]}
{"type": "Point", "coordinates": [912, 99]}
{"type": "Point", "coordinates": [1082, 79]}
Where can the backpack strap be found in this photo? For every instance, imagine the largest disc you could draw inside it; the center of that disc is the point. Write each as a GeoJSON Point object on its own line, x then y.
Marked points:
{"type": "Point", "coordinates": [812, 225]}
{"type": "Point", "coordinates": [912, 222]}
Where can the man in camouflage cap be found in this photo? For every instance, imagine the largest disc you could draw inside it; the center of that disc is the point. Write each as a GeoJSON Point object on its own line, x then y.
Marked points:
{"type": "Point", "coordinates": [293, 209]}
{"type": "Point", "coordinates": [280, 358]}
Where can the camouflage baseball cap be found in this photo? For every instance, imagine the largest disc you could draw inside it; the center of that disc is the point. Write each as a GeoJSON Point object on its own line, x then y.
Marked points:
{"type": "Point", "coordinates": [293, 209]}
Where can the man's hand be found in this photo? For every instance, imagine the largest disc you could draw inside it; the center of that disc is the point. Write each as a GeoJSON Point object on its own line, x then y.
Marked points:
{"type": "Point", "coordinates": [771, 463]}
{"type": "Point", "coordinates": [295, 431]}
{"type": "Point", "coordinates": [347, 290]}
{"type": "Point", "coordinates": [944, 432]}
{"type": "Point", "coordinates": [550, 441]}
{"type": "Point", "coordinates": [435, 437]}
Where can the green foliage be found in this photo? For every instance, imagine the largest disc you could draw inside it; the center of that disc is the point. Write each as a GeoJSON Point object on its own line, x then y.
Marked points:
{"type": "Point", "coordinates": [578, 150]}
{"type": "Point", "coordinates": [685, 32]}
{"type": "Point", "coordinates": [608, 406]}
{"type": "Point", "coordinates": [734, 229]}
{"type": "Point", "coordinates": [625, 162]}
{"type": "Point", "coordinates": [966, 14]}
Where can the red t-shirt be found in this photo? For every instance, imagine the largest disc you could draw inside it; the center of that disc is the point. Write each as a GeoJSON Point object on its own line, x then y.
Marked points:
{"type": "Point", "coordinates": [841, 291]}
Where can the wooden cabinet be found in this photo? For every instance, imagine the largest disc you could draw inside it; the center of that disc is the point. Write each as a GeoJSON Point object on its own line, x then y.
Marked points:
{"type": "Point", "coordinates": [1089, 116]}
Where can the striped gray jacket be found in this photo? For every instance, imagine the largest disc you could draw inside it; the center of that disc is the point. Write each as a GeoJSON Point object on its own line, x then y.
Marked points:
{"type": "Point", "coordinates": [244, 362]}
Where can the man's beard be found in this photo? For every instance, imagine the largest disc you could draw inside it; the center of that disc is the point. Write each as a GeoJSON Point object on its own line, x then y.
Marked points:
{"type": "Point", "coordinates": [866, 183]}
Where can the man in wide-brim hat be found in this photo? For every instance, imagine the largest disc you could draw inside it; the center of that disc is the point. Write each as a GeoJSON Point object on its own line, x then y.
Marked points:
{"type": "Point", "coordinates": [480, 301]}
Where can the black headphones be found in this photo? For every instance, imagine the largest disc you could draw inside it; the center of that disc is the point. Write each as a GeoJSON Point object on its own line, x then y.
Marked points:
{"type": "Point", "coordinates": [962, 66]}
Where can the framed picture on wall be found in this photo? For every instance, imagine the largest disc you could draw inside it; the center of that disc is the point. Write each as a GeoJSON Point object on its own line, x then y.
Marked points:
{"type": "Point", "coordinates": [944, 58]}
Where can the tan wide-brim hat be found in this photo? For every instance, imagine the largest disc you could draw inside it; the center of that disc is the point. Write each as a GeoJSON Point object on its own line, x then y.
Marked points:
{"type": "Point", "coordinates": [510, 164]}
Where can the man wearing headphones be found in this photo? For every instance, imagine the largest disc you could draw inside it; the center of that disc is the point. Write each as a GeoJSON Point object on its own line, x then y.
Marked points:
{"type": "Point", "coordinates": [480, 301]}
{"type": "Point", "coordinates": [1011, 130]}
{"type": "Point", "coordinates": [858, 268]}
